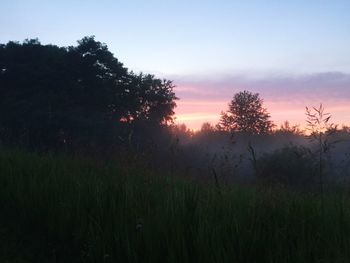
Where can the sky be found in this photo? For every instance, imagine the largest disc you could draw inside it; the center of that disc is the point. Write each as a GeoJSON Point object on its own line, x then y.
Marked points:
{"type": "Point", "coordinates": [293, 53]}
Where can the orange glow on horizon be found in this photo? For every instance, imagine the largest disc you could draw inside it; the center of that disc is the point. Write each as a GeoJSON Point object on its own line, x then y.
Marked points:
{"type": "Point", "coordinates": [193, 113]}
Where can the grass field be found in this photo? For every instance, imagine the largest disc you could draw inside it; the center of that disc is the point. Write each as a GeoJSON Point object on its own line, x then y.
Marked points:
{"type": "Point", "coordinates": [57, 209]}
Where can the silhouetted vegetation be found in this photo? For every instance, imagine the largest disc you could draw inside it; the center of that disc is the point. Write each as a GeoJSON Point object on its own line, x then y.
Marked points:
{"type": "Point", "coordinates": [64, 210]}
{"type": "Point", "coordinates": [291, 166]}
{"type": "Point", "coordinates": [113, 179]}
{"type": "Point", "coordinates": [77, 97]}
{"type": "Point", "coordinates": [246, 114]}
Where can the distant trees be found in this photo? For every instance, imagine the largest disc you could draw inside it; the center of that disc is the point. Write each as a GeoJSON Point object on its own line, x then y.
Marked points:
{"type": "Point", "coordinates": [82, 94]}
{"type": "Point", "coordinates": [246, 114]}
{"type": "Point", "coordinates": [287, 129]}
{"type": "Point", "coordinates": [207, 127]}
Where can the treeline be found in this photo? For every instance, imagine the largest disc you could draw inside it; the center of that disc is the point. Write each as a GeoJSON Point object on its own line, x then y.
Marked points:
{"type": "Point", "coordinates": [81, 99]}
{"type": "Point", "coordinates": [246, 145]}
{"type": "Point", "coordinates": [77, 97]}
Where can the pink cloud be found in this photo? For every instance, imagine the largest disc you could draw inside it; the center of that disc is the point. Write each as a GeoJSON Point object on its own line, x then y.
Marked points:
{"type": "Point", "coordinates": [285, 97]}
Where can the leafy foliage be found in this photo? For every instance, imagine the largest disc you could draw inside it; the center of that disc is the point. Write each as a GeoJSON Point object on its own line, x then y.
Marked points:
{"type": "Point", "coordinates": [291, 166]}
{"type": "Point", "coordinates": [287, 129]}
{"type": "Point", "coordinates": [80, 95]}
{"type": "Point", "coordinates": [246, 114]}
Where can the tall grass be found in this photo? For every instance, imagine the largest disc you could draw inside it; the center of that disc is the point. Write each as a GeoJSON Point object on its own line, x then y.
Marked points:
{"type": "Point", "coordinates": [55, 209]}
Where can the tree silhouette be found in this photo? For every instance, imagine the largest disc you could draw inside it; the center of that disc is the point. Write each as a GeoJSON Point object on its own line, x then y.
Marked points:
{"type": "Point", "coordinates": [77, 95]}
{"type": "Point", "coordinates": [246, 114]}
{"type": "Point", "coordinates": [152, 99]}
{"type": "Point", "coordinates": [207, 127]}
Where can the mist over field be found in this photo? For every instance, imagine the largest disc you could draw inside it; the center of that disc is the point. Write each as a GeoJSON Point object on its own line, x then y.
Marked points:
{"type": "Point", "coordinates": [94, 168]}
{"type": "Point", "coordinates": [230, 155]}
{"type": "Point", "coordinates": [175, 131]}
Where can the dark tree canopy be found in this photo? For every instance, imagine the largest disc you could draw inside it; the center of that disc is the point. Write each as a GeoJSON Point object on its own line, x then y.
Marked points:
{"type": "Point", "coordinates": [52, 95]}
{"type": "Point", "coordinates": [246, 114]}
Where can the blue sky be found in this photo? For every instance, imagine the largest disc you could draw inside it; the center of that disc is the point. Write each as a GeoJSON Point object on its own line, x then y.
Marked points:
{"type": "Point", "coordinates": [198, 40]}
{"type": "Point", "coordinates": [186, 37]}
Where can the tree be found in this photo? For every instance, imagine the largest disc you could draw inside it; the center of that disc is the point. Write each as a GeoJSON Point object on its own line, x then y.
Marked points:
{"type": "Point", "coordinates": [153, 99]}
{"type": "Point", "coordinates": [246, 114]}
{"type": "Point", "coordinates": [207, 127]}
{"type": "Point", "coordinates": [287, 129]}
{"type": "Point", "coordinates": [82, 94]}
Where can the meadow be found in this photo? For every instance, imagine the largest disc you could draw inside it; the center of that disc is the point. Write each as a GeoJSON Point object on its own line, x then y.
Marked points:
{"type": "Point", "coordinates": [58, 208]}
{"type": "Point", "coordinates": [97, 163]}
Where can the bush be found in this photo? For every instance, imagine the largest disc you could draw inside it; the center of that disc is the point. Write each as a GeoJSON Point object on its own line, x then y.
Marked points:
{"type": "Point", "coordinates": [291, 166]}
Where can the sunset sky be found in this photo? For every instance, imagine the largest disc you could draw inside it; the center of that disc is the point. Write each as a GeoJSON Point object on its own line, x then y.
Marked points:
{"type": "Point", "coordinates": [294, 53]}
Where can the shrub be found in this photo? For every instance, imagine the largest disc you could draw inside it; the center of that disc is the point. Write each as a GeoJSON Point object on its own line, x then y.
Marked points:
{"type": "Point", "coordinates": [291, 166]}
